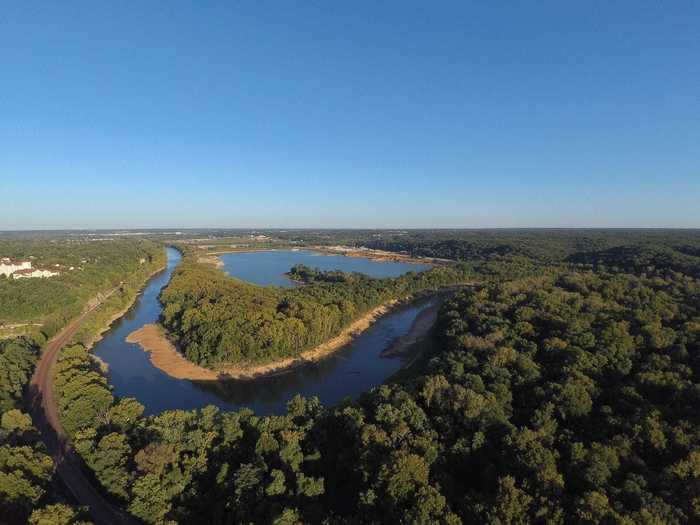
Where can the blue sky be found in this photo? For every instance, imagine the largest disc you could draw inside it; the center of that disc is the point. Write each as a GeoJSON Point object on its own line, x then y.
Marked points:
{"type": "Point", "coordinates": [349, 114]}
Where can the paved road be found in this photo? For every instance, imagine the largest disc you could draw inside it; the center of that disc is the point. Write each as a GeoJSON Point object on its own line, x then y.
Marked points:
{"type": "Point", "coordinates": [44, 412]}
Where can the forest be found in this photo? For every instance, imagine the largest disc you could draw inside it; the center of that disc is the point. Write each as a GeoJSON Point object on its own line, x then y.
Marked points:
{"type": "Point", "coordinates": [555, 392]}
{"type": "Point", "coordinates": [557, 396]}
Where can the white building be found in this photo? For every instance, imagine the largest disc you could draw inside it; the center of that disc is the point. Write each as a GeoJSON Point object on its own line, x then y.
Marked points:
{"type": "Point", "coordinates": [22, 269]}
{"type": "Point", "coordinates": [9, 266]}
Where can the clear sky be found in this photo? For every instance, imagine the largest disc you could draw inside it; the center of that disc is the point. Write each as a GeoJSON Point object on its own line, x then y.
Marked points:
{"type": "Point", "coordinates": [349, 114]}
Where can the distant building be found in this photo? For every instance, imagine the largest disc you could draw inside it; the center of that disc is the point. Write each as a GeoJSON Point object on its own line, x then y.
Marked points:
{"type": "Point", "coordinates": [9, 266]}
{"type": "Point", "coordinates": [22, 269]}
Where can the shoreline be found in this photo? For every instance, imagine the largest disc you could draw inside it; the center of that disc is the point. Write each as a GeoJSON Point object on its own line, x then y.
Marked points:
{"type": "Point", "coordinates": [164, 356]}
{"type": "Point", "coordinates": [250, 250]}
{"type": "Point", "coordinates": [378, 255]}
{"type": "Point", "coordinates": [368, 253]}
{"type": "Point", "coordinates": [214, 260]}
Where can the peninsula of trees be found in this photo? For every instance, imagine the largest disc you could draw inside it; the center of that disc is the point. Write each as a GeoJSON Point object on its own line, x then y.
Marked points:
{"type": "Point", "coordinates": [218, 320]}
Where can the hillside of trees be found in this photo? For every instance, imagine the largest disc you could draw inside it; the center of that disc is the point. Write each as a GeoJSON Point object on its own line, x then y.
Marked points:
{"type": "Point", "coordinates": [218, 319]}
{"type": "Point", "coordinates": [98, 266]}
{"type": "Point", "coordinates": [548, 245]}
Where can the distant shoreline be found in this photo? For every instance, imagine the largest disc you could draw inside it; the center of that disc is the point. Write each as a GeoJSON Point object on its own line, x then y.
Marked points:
{"type": "Point", "coordinates": [374, 255]}
{"type": "Point", "coordinates": [366, 253]}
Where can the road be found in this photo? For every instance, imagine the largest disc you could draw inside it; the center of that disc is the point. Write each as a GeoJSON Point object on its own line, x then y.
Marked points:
{"type": "Point", "coordinates": [44, 411]}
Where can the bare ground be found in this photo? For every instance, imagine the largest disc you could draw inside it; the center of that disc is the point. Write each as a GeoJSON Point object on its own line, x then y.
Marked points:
{"type": "Point", "coordinates": [376, 255]}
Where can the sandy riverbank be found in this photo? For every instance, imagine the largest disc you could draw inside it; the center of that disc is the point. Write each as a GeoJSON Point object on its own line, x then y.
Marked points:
{"type": "Point", "coordinates": [165, 356]}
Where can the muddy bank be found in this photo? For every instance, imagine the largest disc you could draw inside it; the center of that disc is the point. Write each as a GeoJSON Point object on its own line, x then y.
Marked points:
{"type": "Point", "coordinates": [420, 328]}
{"type": "Point", "coordinates": [164, 355]}
{"type": "Point", "coordinates": [423, 323]}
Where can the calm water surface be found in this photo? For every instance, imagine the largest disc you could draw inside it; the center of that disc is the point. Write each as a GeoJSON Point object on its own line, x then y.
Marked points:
{"type": "Point", "coordinates": [268, 268]}
{"type": "Point", "coordinates": [352, 370]}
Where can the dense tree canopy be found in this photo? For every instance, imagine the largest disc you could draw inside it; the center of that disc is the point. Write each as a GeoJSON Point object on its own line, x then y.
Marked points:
{"type": "Point", "coordinates": [580, 392]}
{"type": "Point", "coordinates": [26, 471]}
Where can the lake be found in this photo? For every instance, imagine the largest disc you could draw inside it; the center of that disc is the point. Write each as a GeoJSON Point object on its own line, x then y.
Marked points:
{"type": "Point", "coordinates": [354, 369]}
{"type": "Point", "coordinates": [268, 268]}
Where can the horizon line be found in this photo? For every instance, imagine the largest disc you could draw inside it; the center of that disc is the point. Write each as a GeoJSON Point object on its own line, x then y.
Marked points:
{"type": "Point", "coordinates": [336, 228]}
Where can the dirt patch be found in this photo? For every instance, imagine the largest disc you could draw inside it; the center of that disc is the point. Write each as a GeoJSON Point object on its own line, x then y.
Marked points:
{"type": "Point", "coordinates": [210, 259]}
{"type": "Point", "coordinates": [165, 356]}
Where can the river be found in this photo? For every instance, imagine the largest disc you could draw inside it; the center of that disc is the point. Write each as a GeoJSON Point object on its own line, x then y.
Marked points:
{"type": "Point", "coordinates": [355, 368]}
